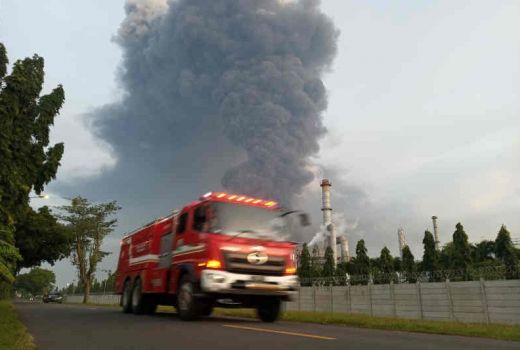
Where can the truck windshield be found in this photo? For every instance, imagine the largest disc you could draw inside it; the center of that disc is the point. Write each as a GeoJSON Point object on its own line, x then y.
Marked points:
{"type": "Point", "coordinates": [247, 221]}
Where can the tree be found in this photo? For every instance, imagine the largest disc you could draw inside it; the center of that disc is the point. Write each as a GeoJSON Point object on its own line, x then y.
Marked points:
{"type": "Point", "coordinates": [446, 255]}
{"type": "Point", "coordinates": [398, 264]}
{"type": "Point", "coordinates": [503, 243]}
{"type": "Point", "coordinates": [26, 160]}
{"type": "Point", "coordinates": [430, 261]}
{"type": "Point", "coordinates": [506, 253]}
{"type": "Point", "coordinates": [341, 272]}
{"type": "Point", "coordinates": [408, 264]}
{"type": "Point", "coordinates": [483, 252]}
{"type": "Point", "coordinates": [315, 262]}
{"type": "Point", "coordinates": [109, 284]}
{"type": "Point", "coordinates": [304, 265]}
{"type": "Point", "coordinates": [386, 266]}
{"type": "Point", "coordinates": [361, 263]}
{"type": "Point", "coordinates": [89, 224]}
{"type": "Point", "coordinates": [35, 282]}
{"type": "Point", "coordinates": [461, 259]}
{"type": "Point", "coordinates": [328, 266]}
{"type": "Point", "coordinates": [41, 238]}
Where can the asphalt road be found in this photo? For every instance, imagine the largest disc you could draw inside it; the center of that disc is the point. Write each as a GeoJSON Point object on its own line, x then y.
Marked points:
{"type": "Point", "coordinates": [68, 327]}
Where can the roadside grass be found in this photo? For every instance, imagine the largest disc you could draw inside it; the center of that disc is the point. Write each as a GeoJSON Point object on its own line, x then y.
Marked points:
{"type": "Point", "coordinates": [494, 331]}
{"type": "Point", "coordinates": [13, 334]}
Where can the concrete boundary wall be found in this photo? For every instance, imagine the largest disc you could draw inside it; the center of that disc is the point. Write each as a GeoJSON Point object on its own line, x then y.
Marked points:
{"type": "Point", "coordinates": [472, 301]}
{"type": "Point", "coordinates": [106, 299]}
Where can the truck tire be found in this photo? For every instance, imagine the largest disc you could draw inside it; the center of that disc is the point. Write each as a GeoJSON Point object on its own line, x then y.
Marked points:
{"type": "Point", "coordinates": [187, 305]}
{"type": "Point", "coordinates": [138, 299]}
{"type": "Point", "coordinates": [268, 309]}
{"type": "Point", "coordinates": [207, 309]}
{"type": "Point", "coordinates": [126, 298]}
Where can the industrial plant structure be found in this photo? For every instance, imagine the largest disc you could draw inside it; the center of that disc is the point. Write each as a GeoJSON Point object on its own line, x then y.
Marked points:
{"type": "Point", "coordinates": [402, 241]}
{"type": "Point", "coordinates": [330, 228]}
{"type": "Point", "coordinates": [435, 233]}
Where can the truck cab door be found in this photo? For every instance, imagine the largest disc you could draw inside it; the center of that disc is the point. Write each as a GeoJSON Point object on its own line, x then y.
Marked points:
{"type": "Point", "coordinates": [165, 251]}
{"type": "Point", "coordinates": [178, 245]}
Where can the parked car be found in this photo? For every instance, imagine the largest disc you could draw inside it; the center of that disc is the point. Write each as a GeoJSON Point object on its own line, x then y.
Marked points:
{"type": "Point", "coordinates": [53, 298]}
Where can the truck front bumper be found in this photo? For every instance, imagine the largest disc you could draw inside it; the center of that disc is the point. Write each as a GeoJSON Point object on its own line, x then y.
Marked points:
{"type": "Point", "coordinates": [228, 283]}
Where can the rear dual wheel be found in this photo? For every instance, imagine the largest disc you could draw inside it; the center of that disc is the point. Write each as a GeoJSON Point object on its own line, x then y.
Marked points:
{"type": "Point", "coordinates": [141, 302]}
{"type": "Point", "coordinates": [126, 298]}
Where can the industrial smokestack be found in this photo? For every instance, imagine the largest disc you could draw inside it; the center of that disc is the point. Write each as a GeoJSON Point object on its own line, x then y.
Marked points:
{"type": "Point", "coordinates": [327, 216]}
{"type": "Point", "coordinates": [402, 241]}
{"type": "Point", "coordinates": [343, 243]}
{"type": "Point", "coordinates": [435, 232]}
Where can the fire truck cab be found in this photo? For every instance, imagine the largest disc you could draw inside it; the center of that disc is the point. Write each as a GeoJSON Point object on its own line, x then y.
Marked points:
{"type": "Point", "coordinates": [223, 250]}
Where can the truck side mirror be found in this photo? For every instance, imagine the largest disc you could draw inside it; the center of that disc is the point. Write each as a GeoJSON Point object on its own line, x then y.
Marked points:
{"type": "Point", "coordinates": [305, 219]}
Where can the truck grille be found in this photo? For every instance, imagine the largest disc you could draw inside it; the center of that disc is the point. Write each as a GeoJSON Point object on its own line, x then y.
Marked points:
{"type": "Point", "coordinates": [237, 262]}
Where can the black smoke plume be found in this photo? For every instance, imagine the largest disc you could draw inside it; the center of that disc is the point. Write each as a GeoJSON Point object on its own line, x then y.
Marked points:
{"type": "Point", "coordinates": [220, 89]}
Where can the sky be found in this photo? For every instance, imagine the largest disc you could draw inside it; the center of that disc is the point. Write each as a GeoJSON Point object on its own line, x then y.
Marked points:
{"type": "Point", "coordinates": [423, 114]}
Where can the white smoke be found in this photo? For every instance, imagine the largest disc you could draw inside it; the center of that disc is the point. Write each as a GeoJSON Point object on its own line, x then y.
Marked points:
{"type": "Point", "coordinates": [319, 237]}
{"type": "Point", "coordinates": [343, 226]}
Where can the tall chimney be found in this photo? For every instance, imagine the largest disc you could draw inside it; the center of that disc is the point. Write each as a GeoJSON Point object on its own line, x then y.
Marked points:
{"type": "Point", "coordinates": [327, 216]}
{"type": "Point", "coordinates": [435, 232]}
{"type": "Point", "coordinates": [402, 241]}
{"type": "Point", "coordinates": [343, 243]}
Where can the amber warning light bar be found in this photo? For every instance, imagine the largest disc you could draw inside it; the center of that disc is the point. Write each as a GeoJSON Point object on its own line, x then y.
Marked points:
{"type": "Point", "coordinates": [236, 198]}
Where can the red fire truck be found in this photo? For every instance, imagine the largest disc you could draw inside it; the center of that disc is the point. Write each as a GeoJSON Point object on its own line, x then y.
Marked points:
{"type": "Point", "coordinates": [223, 250]}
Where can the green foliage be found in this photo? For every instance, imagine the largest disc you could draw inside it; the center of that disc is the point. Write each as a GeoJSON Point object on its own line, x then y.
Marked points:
{"type": "Point", "coordinates": [27, 162]}
{"type": "Point", "coordinates": [106, 285]}
{"type": "Point", "coordinates": [361, 263]}
{"type": "Point", "coordinates": [315, 262]}
{"type": "Point", "coordinates": [408, 265]}
{"type": "Point", "coordinates": [506, 253]}
{"type": "Point", "coordinates": [483, 252]}
{"type": "Point", "coordinates": [13, 334]}
{"type": "Point", "coordinates": [89, 224]}
{"type": "Point", "coordinates": [304, 264]}
{"type": "Point", "coordinates": [9, 255]}
{"type": "Point", "coordinates": [386, 261]}
{"type": "Point", "coordinates": [341, 272]}
{"type": "Point", "coordinates": [461, 258]}
{"type": "Point", "coordinates": [328, 266]}
{"type": "Point", "coordinates": [3, 62]}
{"type": "Point", "coordinates": [398, 264]}
{"type": "Point", "coordinates": [497, 331]}
{"type": "Point", "coordinates": [35, 282]}
{"type": "Point", "coordinates": [386, 267]}
{"type": "Point", "coordinates": [41, 238]}
{"type": "Point", "coordinates": [503, 243]}
{"type": "Point", "coordinates": [445, 256]}
{"type": "Point", "coordinates": [430, 261]}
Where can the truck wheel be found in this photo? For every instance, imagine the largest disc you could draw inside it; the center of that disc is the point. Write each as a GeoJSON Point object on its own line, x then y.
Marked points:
{"type": "Point", "coordinates": [138, 302]}
{"type": "Point", "coordinates": [186, 303]}
{"type": "Point", "coordinates": [268, 309]}
{"type": "Point", "coordinates": [207, 309]}
{"type": "Point", "coordinates": [126, 298]}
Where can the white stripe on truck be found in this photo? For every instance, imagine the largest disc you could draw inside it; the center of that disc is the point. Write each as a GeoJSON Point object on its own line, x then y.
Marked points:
{"type": "Point", "coordinates": [143, 258]}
